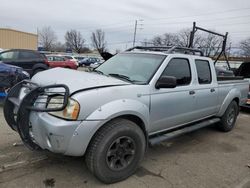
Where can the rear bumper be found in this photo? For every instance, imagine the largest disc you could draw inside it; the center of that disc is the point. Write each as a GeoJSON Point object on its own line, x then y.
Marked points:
{"type": "Point", "coordinates": [247, 104]}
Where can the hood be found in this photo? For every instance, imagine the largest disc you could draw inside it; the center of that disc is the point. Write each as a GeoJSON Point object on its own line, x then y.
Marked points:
{"type": "Point", "coordinates": [75, 80]}
{"type": "Point", "coordinates": [9, 68]}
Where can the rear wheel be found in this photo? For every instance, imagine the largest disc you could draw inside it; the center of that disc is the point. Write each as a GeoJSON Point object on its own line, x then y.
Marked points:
{"type": "Point", "coordinates": [229, 117]}
{"type": "Point", "coordinates": [116, 151]}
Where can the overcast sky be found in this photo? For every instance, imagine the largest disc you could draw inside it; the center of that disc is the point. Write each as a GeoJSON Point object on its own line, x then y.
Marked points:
{"type": "Point", "coordinates": [117, 17]}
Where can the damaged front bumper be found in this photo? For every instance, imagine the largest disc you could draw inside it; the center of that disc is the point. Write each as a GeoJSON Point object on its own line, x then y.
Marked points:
{"type": "Point", "coordinates": [25, 100]}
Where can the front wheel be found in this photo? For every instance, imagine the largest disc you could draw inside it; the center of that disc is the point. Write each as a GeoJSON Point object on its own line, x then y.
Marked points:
{"type": "Point", "coordinates": [229, 117]}
{"type": "Point", "coordinates": [37, 71]}
{"type": "Point", "coordinates": [116, 151]}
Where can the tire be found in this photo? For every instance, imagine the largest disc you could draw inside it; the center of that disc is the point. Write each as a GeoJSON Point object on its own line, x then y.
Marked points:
{"type": "Point", "coordinates": [229, 117]}
{"type": "Point", "coordinates": [106, 157]}
{"type": "Point", "coordinates": [37, 71]}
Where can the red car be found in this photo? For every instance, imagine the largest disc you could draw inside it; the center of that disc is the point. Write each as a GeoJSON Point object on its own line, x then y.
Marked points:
{"type": "Point", "coordinates": [59, 61]}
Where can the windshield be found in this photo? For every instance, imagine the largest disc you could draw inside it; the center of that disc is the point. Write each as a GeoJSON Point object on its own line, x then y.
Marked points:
{"type": "Point", "coordinates": [134, 67]}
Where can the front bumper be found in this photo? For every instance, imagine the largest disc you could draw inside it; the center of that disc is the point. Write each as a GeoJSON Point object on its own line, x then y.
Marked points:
{"type": "Point", "coordinates": [40, 130]}
{"type": "Point", "coordinates": [25, 98]}
{"type": "Point", "coordinates": [62, 136]}
{"type": "Point", "coordinates": [50, 132]}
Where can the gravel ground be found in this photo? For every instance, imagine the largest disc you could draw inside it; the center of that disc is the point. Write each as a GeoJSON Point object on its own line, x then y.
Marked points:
{"type": "Point", "coordinates": [205, 158]}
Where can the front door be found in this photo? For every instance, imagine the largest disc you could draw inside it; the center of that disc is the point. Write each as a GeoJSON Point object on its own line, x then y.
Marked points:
{"type": "Point", "coordinates": [171, 107]}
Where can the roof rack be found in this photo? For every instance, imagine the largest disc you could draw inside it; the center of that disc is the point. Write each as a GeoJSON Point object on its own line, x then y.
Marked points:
{"type": "Point", "coordinates": [169, 49]}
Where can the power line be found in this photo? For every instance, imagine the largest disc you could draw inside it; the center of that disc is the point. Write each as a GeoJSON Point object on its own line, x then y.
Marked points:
{"type": "Point", "coordinates": [209, 13]}
{"type": "Point", "coordinates": [207, 20]}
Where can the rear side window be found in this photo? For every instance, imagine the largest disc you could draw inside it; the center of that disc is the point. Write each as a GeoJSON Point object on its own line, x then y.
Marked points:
{"type": "Point", "coordinates": [10, 55]}
{"type": "Point", "coordinates": [28, 55]}
{"type": "Point", "coordinates": [56, 58]}
{"type": "Point", "coordinates": [203, 71]}
{"type": "Point", "coordinates": [68, 57]}
{"type": "Point", "coordinates": [179, 68]}
{"type": "Point", "coordinates": [50, 58]}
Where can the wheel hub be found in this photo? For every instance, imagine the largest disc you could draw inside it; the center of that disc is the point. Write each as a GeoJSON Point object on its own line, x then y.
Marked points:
{"type": "Point", "coordinates": [231, 116]}
{"type": "Point", "coordinates": [120, 153]}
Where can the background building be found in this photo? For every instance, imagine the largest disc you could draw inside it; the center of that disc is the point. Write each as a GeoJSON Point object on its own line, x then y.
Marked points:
{"type": "Point", "coordinates": [10, 39]}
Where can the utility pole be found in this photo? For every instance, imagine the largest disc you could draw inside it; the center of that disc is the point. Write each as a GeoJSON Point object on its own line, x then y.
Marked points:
{"type": "Point", "coordinates": [135, 33]}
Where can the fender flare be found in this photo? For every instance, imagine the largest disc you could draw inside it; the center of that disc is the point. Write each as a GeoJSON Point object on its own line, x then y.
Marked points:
{"type": "Point", "coordinates": [100, 117]}
{"type": "Point", "coordinates": [119, 108]}
{"type": "Point", "coordinates": [234, 93]}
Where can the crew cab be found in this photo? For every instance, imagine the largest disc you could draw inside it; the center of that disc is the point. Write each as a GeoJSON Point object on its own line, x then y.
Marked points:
{"type": "Point", "coordinates": [137, 98]}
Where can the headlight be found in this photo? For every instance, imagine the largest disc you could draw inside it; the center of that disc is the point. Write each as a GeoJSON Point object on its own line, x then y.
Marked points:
{"type": "Point", "coordinates": [71, 111]}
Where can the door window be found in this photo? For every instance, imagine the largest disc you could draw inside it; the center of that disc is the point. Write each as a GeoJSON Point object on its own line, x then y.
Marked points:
{"type": "Point", "coordinates": [179, 68]}
{"type": "Point", "coordinates": [28, 55]}
{"type": "Point", "coordinates": [203, 71]}
{"type": "Point", "coordinates": [58, 58]}
{"type": "Point", "coordinates": [12, 55]}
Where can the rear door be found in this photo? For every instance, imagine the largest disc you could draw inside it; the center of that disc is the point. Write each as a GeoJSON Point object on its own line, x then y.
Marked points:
{"type": "Point", "coordinates": [59, 61]}
{"type": "Point", "coordinates": [171, 107]}
{"type": "Point", "coordinates": [27, 59]}
{"type": "Point", "coordinates": [206, 89]}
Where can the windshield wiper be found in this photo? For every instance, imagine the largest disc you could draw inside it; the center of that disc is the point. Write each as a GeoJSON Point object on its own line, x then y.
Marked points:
{"type": "Point", "coordinates": [123, 77]}
{"type": "Point", "coordinates": [97, 71]}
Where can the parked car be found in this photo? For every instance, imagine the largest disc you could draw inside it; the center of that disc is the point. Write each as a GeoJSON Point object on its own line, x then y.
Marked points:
{"type": "Point", "coordinates": [31, 61]}
{"type": "Point", "coordinates": [220, 71]}
{"type": "Point", "coordinates": [244, 71]}
{"type": "Point", "coordinates": [71, 58]}
{"type": "Point", "coordinates": [88, 61]}
{"type": "Point", "coordinates": [95, 65]}
{"type": "Point", "coordinates": [79, 58]}
{"type": "Point", "coordinates": [134, 99]}
{"type": "Point", "coordinates": [9, 76]}
{"type": "Point", "coordinates": [59, 61]}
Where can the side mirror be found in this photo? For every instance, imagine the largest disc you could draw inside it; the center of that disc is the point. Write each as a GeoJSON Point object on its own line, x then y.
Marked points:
{"type": "Point", "coordinates": [166, 82]}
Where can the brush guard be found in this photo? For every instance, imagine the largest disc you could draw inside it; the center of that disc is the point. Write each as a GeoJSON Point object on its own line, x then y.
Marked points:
{"type": "Point", "coordinates": [17, 109]}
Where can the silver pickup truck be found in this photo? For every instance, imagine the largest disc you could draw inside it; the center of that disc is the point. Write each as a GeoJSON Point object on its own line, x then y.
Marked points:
{"type": "Point", "coordinates": [137, 98]}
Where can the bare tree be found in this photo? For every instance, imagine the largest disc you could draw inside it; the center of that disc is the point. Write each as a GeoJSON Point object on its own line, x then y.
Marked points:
{"type": "Point", "coordinates": [59, 47]}
{"type": "Point", "coordinates": [209, 44]}
{"type": "Point", "coordinates": [98, 41]}
{"type": "Point", "coordinates": [157, 41]}
{"type": "Point", "coordinates": [47, 38]}
{"type": "Point", "coordinates": [167, 39]}
{"type": "Point", "coordinates": [245, 47]}
{"type": "Point", "coordinates": [74, 40]}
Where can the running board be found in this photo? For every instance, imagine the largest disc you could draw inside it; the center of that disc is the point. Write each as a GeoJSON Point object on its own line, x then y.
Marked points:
{"type": "Point", "coordinates": [157, 139]}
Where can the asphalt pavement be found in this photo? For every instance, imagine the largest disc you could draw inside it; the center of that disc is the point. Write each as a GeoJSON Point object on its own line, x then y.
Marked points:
{"type": "Point", "coordinates": [205, 158]}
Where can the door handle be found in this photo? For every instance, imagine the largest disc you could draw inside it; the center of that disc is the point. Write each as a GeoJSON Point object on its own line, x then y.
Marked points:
{"type": "Point", "coordinates": [191, 92]}
{"type": "Point", "coordinates": [212, 90]}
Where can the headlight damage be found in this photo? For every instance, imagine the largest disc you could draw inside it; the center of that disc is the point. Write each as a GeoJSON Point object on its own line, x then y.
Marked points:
{"type": "Point", "coordinates": [70, 112]}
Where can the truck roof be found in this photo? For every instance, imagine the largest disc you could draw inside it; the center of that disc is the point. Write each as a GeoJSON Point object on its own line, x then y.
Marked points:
{"type": "Point", "coordinates": [168, 50]}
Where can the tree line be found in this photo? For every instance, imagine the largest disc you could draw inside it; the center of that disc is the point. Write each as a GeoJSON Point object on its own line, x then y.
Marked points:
{"type": "Point", "coordinates": [73, 40]}
{"type": "Point", "coordinates": [208, 43]}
